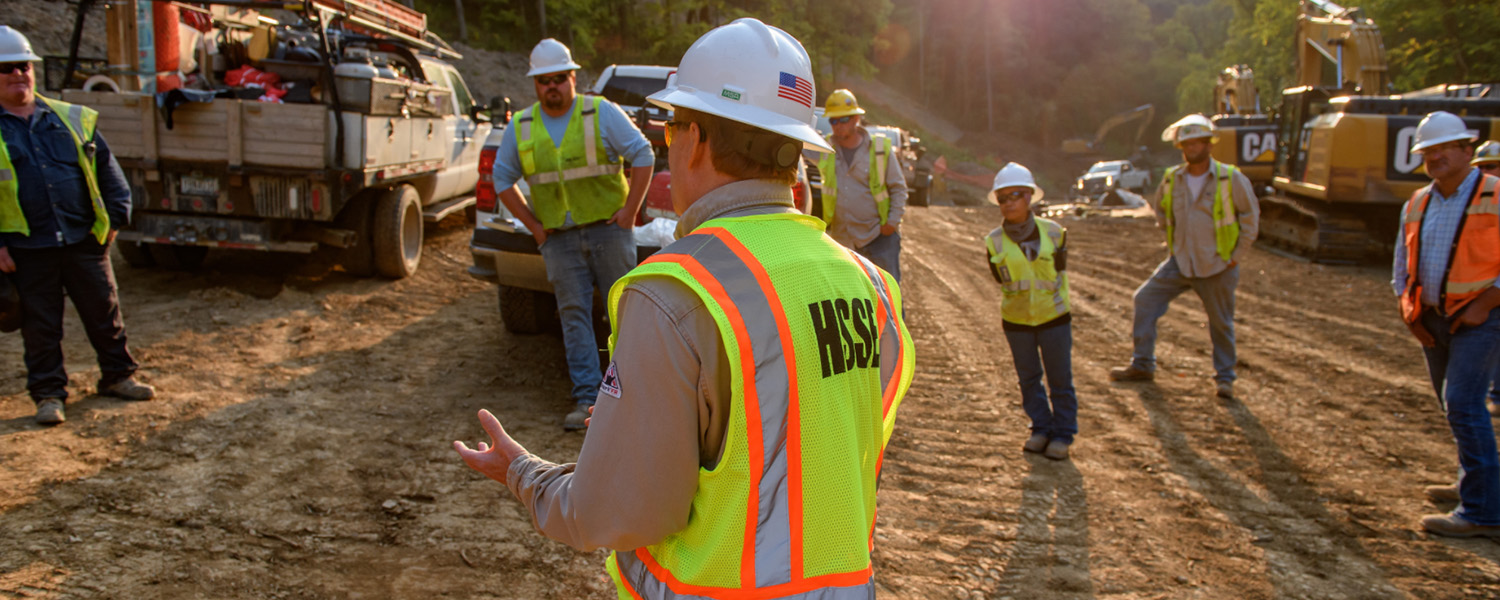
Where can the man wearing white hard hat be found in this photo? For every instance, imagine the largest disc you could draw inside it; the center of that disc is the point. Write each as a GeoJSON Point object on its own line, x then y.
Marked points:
{"type": "Point", "coordinates": [757, 366]}
{"type": "Point", "coordinates": [1446, 272]}
{"type": "Point", "coordinates": [1211, 217]}
{"type": "Point", "coordinates": [1028, 256]}
{"type": "Point", "coordinates": [864, 191]}
{"type": "Point", "coordinates": [62, 198]}
{"type": "Point", "coordinates": [582, 210]}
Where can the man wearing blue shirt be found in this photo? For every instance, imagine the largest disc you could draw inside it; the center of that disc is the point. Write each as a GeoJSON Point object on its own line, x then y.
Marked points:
{"type": "Point", "coordinates": [582, 210]}
{"type": "Point", "coordinates": [1447, 275]}
{"type": "Point", "coordinates": [62, 197]}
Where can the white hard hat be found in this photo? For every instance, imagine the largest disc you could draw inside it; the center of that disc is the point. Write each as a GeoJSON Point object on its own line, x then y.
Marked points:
{"type": "Point", "coordinates": [1487, 152]}
{"type": "Point", "coordinates": [1013, 175]}
{"type": "Point", "coordinates": [1188, 128]}
{"type": "Point", "coordinates": [551, 56]}
{"type": "Point", "coordinates": [14, 47]}
{"type": "Point", "coordinates": [752, 73]}
{"type": "Point", "coordinates": [1441, 127]}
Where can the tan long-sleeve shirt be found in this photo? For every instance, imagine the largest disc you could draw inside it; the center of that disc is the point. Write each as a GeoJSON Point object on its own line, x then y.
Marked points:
{"type": "Point", "coordinates": [1193, 242]}
{"type": "Point", "coordinates": [856, 221]}
{"type": "Point", "coordinates": [636, 476]}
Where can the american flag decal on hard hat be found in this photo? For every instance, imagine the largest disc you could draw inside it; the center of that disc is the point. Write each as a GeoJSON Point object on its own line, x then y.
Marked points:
{"type": "Point", "coordinates": [796, 89]}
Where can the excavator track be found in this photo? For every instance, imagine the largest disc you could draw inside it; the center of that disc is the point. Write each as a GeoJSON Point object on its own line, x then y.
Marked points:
{"type": "Point", "coordinates": [1313, 229]}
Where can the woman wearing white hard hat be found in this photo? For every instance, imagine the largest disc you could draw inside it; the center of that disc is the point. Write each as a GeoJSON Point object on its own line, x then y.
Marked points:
{"type": "Point", "coordinates": [756, 365]}
{"type": "Point", "coordinates": [1028, 257]}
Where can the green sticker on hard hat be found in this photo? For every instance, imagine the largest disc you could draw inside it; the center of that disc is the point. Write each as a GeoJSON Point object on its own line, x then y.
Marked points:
{"type": "Point", "coordinates": [730, 94]}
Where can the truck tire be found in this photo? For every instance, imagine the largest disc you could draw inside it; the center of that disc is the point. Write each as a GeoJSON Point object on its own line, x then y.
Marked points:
{"type": "Point", "coordinates": [527, 312]}
{"type": "Point", "coordinates": [919, 195]}
{"type": "Point", "coordinates": [357, 259]}
{"type": "Point", "coordinates": [178, 258]}
{"type": "Point", "coordinates": [136, 254]}
{"type": "Point", "coordinates": [396, 237]}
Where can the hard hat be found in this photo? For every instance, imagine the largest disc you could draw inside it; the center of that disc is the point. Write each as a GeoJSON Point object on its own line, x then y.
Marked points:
{"type": "Point", "coordinates": [1187, 128]}
{"type": "Point", "coordinates": [1487, 152]}
{"type": "Point", "coordinates": [1013, 175]}
{"type": "Point", "coordinates": [14, 47]}
{"type": "Point", "coordinates": [751, 73]}
{"type": "Point", "coordinates": [841, 103]}
{"type": "Point", "coordinates": [551, 56]}
{"type": "Point", "coordinates": [1441, 127]}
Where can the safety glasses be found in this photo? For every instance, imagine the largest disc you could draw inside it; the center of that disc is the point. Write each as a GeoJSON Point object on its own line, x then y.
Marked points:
{"type": "Point", "coordinates": [1492, 168]}
{"type": "Point", "coordinates": [672, 125]}
{"type": "Point", "coordinates": [841, 120]}
{"type": "Point", "coordinates": [551, 80]}
{"type": "Point", "coordinates": [1013, 196]}
{"type": "Point", "coordinates": [8, 68]}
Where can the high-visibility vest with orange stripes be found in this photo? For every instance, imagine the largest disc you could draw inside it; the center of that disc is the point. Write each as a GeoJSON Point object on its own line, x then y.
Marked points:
{"type": "Point", "coordinates": [1474, 263]}
{"type": "Point", "coordinates": [576, 176]}
{"type": "Point", "coordinates": [81, 122]}
{"type": "Point", "coordinates": [819, 360]}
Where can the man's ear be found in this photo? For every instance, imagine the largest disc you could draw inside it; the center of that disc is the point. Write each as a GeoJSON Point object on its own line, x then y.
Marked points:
{"type": "Point", "coordinates": [700, 147]}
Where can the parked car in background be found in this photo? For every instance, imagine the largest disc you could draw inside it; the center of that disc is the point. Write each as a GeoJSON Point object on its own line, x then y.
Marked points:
{"type": "Point", "coordinates": [1107, 176]}
{"type": "Point", "coordinates": [629, 86]}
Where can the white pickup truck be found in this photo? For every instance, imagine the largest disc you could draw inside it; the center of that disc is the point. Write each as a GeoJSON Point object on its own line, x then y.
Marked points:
{"type": "Point", "coordinates": [1107, 176]}
{"type": "Point", "coordinates": [390, 138]}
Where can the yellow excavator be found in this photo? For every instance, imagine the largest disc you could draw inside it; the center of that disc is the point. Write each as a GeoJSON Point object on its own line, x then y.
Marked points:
{"type": "Point", "coordinates": [1246, 135]}
{"type": "Point", "coordinates": [1082, 147]}
{"type": "Point", "coordinates": [1343, 163]}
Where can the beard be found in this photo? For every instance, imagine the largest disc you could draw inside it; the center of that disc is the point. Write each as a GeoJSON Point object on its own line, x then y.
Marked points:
{"type": "Point", "coordinates": [553, 100]}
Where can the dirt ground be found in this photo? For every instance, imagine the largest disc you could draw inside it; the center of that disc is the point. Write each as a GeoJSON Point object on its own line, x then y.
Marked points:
{"type": "Point", "coordinates": [300, 444]}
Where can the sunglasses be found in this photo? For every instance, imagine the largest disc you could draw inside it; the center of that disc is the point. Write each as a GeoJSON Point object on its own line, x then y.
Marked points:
{"type": "Point", "coordinates": [840, 120]}
{"type": "Point", "coordinates": [1489, 167]}
{"type": "Point", "coordinates": [8, 68]}
{"type": "Point", "coordinates": [553, 80]}
{"type": "Point", "coordinates": [1013, 196]}
{"type": "Point", "coordinates": [670, 126]}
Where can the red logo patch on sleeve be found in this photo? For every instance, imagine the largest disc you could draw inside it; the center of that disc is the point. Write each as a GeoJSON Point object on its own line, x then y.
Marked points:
{"type": "Point", "coordinates": [611, 383]}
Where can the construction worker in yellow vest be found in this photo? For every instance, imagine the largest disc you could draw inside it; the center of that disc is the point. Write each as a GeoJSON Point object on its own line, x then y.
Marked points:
{"type": "Point", "coordinates": [62, 198]}
{"type": "Point", "coordinates": [864, 191]}
{"type": "Point", "coordinates": [757, 366]}
{"type": "Point", "coordinates": [1028, 256]}
{"type": "Point", "coordinates": [570, 150]}
{"type": "Point", "coordinates": [1211, 217]}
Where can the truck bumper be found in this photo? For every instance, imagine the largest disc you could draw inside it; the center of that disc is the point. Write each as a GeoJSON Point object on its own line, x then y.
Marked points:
{"type": "Point", "coordinates": [212, 232]}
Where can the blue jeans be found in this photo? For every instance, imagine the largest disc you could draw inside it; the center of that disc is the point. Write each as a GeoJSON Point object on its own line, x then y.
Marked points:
{"type": "Point", "coordinates": [1051, 351]}
{"type": "Point", "coordinates": [1461, 365]}
{"type": "Point", "coordinates": [579, 261]}
{"type": "Point", "coordinates": [885, 252]}
{"type": "Point", "coordinates": [1156, 295]}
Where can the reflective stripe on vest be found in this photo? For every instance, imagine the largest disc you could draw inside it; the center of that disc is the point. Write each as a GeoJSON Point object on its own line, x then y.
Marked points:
{"type": "Point", "coordinates": [762, 524]}
{"type": "Point", "coordinates": [80, 122]}
{"type": "Point", "coordinates": [880, 150]}
{"type": "Point", "coordinates": [1474, 260]}
{"type": "Point", "coordinates": [1037, 292]}
{"type": "Point", "coordinates": [576, 176]}
{"type": "Point", "coordinates": [1226, 221]}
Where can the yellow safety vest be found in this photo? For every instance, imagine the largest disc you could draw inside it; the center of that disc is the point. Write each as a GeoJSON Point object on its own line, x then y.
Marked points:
{"type": "Point", "coordinates": [577, 176]}
{"type": "Point", "coordinates": [81, 122]}
{"type": "Point", "coordinates": [1035, 292]}
{"type": "Point", "coordinates": [1226, 221]}
{"type": "Point", "coordinates": [818, 367]}
{"type": "Point", "coordinates": [880, 149]}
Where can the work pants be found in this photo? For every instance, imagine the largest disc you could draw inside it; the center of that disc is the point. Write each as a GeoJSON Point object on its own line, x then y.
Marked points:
{"type": "Point", "coordinates": [580, 261]}
{"type": "Point", "coordinates": [1461, 365]}
{"type": "Point", "coordinates": [1156, 295]}
{"type": "Point", "coordinates": [885, 252]}
{"type": "Point", "coordinates": [1046, 351]}
{"type": "Point", "coordinates": [83, 270]}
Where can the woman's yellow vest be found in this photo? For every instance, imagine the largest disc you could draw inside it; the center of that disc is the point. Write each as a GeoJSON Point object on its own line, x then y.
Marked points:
{"type": "Point", "coordinates": [880, 151]}
{"type": "Point", "coordinates": [1034, 291]}
{"type": "Point", "coordinates": [81, 122]}
{"type": "Point", "coordinates": [1226, 222]}
{"type": "Point", "coordinates": [576, 176]}
{"type": "Point", "coordinates": [820, 360]}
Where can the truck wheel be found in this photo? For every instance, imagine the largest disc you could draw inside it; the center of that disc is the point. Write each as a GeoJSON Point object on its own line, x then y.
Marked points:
{"type": "Point", "coordinates": [178, 258]}
{"type": "Point", "coordinates": [919, 192]}
{"type": "Point", "coordinates": [526, 311]}
{"type": "Point", "coordinates": [357, 259]}
{"type": "Point", "coordinates": [396, 237]}
{"type": "Point", "coordinates": [136, 254]}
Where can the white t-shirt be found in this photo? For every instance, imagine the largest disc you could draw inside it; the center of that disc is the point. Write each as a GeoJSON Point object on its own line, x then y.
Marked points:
{"type": "Point", "coordinates": [1196, 183]}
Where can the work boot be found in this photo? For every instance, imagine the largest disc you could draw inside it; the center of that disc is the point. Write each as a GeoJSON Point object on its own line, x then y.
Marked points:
{"type": "Point", "coordinates": [1451, 525]}
{"type": "Point", "coordinates": [1057, 449]}
{"type": "Point", "coordinates": [1131, 373]}
{"type": "Point", "coordinates": [49, 411]}
{"type": "Point", "coordinates": [129, 389]}
{"type": "Point", "coordinates": [578, 419]}
{"type": "Point", "coordinates": [1225, 390]}
{"type": "Point", "coordinates": [1036, 443]}
{"type": "Point", "coordinates": [1442, 494]}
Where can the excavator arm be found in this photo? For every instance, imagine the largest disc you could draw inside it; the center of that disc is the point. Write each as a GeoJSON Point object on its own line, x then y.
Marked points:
{"type": "Point", "coordinates": [1143, 112]}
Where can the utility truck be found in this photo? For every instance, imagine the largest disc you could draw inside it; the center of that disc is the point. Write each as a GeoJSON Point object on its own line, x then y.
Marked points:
{"type": "Point", "coordinates": [333, 128]}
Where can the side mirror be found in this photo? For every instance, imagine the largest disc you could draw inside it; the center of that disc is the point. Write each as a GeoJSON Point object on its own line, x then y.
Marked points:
{"type": "Point", "coordinates": [500, 109]}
